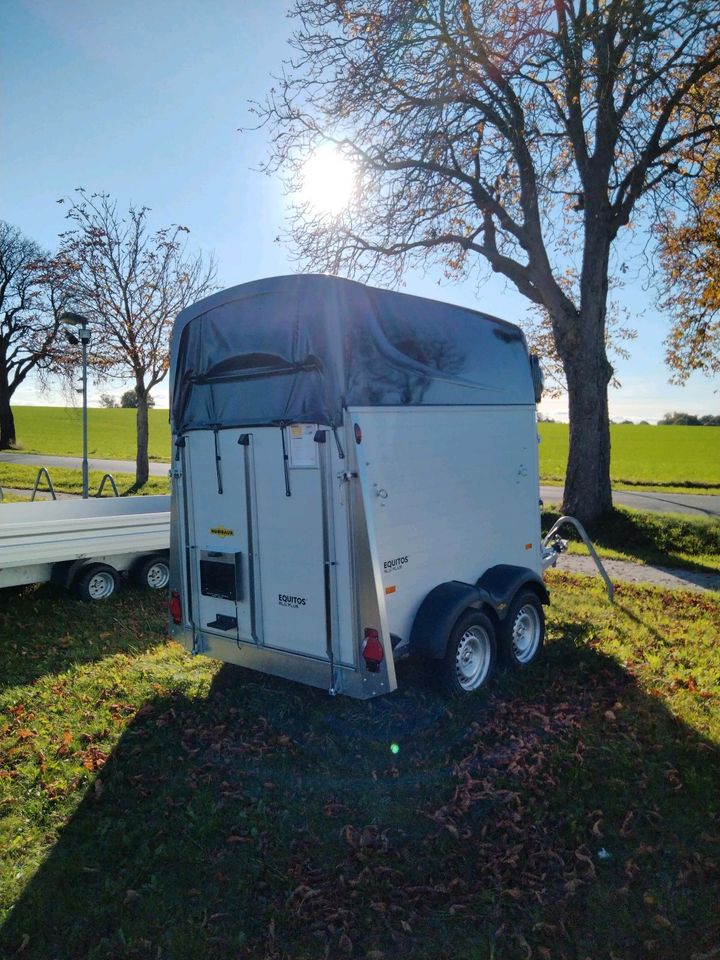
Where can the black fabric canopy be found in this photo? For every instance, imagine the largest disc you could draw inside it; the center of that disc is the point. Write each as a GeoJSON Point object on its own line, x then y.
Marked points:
{"type": "Point", "coordinates": [299, 349]}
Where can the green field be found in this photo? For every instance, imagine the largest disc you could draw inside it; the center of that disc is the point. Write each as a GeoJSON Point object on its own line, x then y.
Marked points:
{"type": "Point", "coordinates": [111, 433]}
{"type": "Point", "coordinates": [156, 805]}
{"type": "Point", "coordinates": [642, 456]}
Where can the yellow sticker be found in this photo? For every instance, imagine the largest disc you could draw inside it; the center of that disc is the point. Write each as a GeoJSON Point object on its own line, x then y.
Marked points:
{"type": "Point", "coordinates": [222, 532]}
{"type": "Point", "coordinates": [296, 432]}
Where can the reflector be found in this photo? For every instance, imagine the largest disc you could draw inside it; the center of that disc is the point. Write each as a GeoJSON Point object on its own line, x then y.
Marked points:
{"type": "Point", "coordinates": [372, 650]}
{"type": "Point", "coordinates": [175, 607]}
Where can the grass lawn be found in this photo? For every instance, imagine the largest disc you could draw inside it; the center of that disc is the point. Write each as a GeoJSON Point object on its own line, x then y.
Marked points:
{"type": "Point", "coordinates": [667, 539]}
{"type": "Point", "coordinates": [643, 457]}
{"type": "Point", "coordinates": [57, 431]}
{"type": "Point", "coordinates": [21, 477]}
{"type": "Point", "coordinates": [159, 806]}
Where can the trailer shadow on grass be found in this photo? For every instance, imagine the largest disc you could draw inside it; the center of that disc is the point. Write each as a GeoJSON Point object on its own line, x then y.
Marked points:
{"type": "Point", "coordinates": [565, 814]}
{"type": "Point", "coordinates": [46, 630]}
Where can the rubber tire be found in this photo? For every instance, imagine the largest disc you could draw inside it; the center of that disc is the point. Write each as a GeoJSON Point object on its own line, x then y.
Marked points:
{"type": "Point", "coordinates": [141, 569]}
{"type": "Point", "coordinates": [81, 585]}
{"type": "Point", "coordinates": [506, 652]}
{"type": "Point", "coordinates": [447, 674]}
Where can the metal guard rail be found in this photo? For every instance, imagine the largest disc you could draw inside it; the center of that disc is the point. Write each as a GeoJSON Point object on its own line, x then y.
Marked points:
{"type": "Point", "coordinates": [108, 476]}
{"type": "Point", "coordinates": [51, 488]}
{"type": "Point", "coordinates": [588, 543]}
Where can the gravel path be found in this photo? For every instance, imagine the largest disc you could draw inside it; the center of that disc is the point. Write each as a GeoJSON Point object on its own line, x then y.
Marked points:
{"type": "Point", "coordinates": [40, 495]}
{"type": "Point", "coordinates": [672, 579]}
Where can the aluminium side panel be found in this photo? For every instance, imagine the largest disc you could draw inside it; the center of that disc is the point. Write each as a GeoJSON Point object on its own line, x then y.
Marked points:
{"type": "Point", "coordinates": [452, 491]}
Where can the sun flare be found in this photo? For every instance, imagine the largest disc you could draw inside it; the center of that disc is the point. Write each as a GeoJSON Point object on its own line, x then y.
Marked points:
{"type": "Point", "coordinates": [327, 180]}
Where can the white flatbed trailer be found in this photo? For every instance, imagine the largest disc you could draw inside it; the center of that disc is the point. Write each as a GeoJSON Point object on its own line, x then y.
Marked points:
{"type": "Point", "coordinates": [86, 544]}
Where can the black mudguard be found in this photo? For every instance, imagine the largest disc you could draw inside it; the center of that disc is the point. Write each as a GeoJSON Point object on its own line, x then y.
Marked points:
{"type": "Point", "coordinates": [438, 614]}
{"type": "Point", "coordinates": [502, 582]}
{"type": "Point", "coordinates": [445, 604]}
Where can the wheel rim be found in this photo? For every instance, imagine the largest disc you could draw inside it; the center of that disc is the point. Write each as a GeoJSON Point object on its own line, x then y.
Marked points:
{"type": "Point", "coordinates": [473, 658]}
{"type": "Point", "coordinates": [157, 576]}
{"type": "Point", "coordinates": [526, 633]}
{"type": "Point", "coordinates": [101, 585]}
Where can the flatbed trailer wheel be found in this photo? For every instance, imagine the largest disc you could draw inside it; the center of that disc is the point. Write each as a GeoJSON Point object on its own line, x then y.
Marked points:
{"type": "Point", "coordinates": [522, 633]}
{"type": "Point", "coordinates": [152, 573]}
{"type": "Point", "coordinates": [469, 660]}
{"type": "Point", "coordinates": [96, 582]}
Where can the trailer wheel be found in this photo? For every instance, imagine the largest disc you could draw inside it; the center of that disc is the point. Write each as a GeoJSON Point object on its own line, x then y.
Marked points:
{"type": "Point", "coordinates": [523, 631]}
{"type": "Point", "coordinates": [98, 581]}
{"type": "Point", "coordinates": [469, 660]}
{"type": "Point", "coordinates": [152, 573]}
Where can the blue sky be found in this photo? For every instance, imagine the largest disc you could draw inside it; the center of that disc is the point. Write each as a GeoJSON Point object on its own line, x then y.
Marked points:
{"type": "Point", "coordinates": [144, 99]}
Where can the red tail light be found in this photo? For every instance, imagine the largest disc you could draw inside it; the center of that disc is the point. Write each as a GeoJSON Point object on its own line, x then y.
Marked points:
{"type": "Point", "coordinates": [372, 650]}
{"type": "Point", "coordinates": [175, 607]}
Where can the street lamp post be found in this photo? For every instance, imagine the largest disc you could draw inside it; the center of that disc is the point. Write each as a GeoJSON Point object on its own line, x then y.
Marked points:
{"type": "Point", "coordinates": [83, 337]}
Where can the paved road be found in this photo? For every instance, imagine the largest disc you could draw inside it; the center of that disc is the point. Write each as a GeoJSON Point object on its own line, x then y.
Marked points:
{"type": "Point", "coordinates": [700, 505]}
{"type": "Point", "coordinates": [697, 504]}
{"type": "Point", "coordinates": [107, 466]}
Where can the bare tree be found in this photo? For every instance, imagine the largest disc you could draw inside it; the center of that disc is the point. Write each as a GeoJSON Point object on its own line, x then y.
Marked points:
{"type": "Point", "coordinates": [131, 283]}
{"type": "Point", "coordinates": [521, 136]}
{"type": "Point", "coordinates": [30, 300]}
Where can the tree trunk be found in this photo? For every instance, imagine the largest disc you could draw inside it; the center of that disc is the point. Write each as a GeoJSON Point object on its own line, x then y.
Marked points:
{"type": "Point", "coordinates": [588, 495]}
{"type": "Point", "coordinates": [142, 467]}
{"type": "Point", "coordinates": [7, 420]}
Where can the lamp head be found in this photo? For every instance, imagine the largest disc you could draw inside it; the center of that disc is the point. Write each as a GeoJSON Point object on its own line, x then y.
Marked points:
{"type": "Point", "coordinates": [72, 319]}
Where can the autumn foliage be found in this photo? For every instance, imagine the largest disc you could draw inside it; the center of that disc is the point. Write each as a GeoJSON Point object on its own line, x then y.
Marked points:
{"type": "Point", "coordinates": [690, 257]}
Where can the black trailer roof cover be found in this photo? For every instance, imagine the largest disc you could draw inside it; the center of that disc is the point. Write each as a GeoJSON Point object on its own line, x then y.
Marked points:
{"type": "Point", "coordinates": [299, 349]}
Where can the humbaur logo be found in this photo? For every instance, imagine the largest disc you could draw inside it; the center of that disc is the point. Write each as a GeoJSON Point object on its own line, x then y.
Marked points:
{"type": "Point", "coordinates": [222, 532]}
{"type": "Point", "coordinates": [287, 601]}
{"type": "Point", "coordinates": [395, 564]}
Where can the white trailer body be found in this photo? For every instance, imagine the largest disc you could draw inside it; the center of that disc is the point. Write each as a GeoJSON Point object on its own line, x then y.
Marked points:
{"type": "Point", "coordinates": [56, 539]}
{"type": "Point", "coordinates": [318, 538]}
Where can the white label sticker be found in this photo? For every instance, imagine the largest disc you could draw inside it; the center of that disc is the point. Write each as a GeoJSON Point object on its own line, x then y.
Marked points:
{"type": "Point", "coordinates": [301, 441]}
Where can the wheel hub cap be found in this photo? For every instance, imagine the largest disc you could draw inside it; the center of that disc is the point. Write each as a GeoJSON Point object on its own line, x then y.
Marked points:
{"type": "Point", "coordinates": [473, 658]}
{"type": "Point", "coordinates": [526, 634]}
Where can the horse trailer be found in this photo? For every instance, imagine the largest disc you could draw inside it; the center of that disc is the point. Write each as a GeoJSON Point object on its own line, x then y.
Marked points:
{"type": "Point", "coordinates": [354, 481]}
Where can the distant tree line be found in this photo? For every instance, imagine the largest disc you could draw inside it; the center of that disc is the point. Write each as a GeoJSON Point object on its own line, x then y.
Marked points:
{"type": "Point", "coordinates": [679, 419]}
{"type": "Point", "coordinates": [128, 401]}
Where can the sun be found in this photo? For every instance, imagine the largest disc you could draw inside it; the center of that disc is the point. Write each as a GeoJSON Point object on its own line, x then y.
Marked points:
{"type": "Point", "coordinates": [327, 180]}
